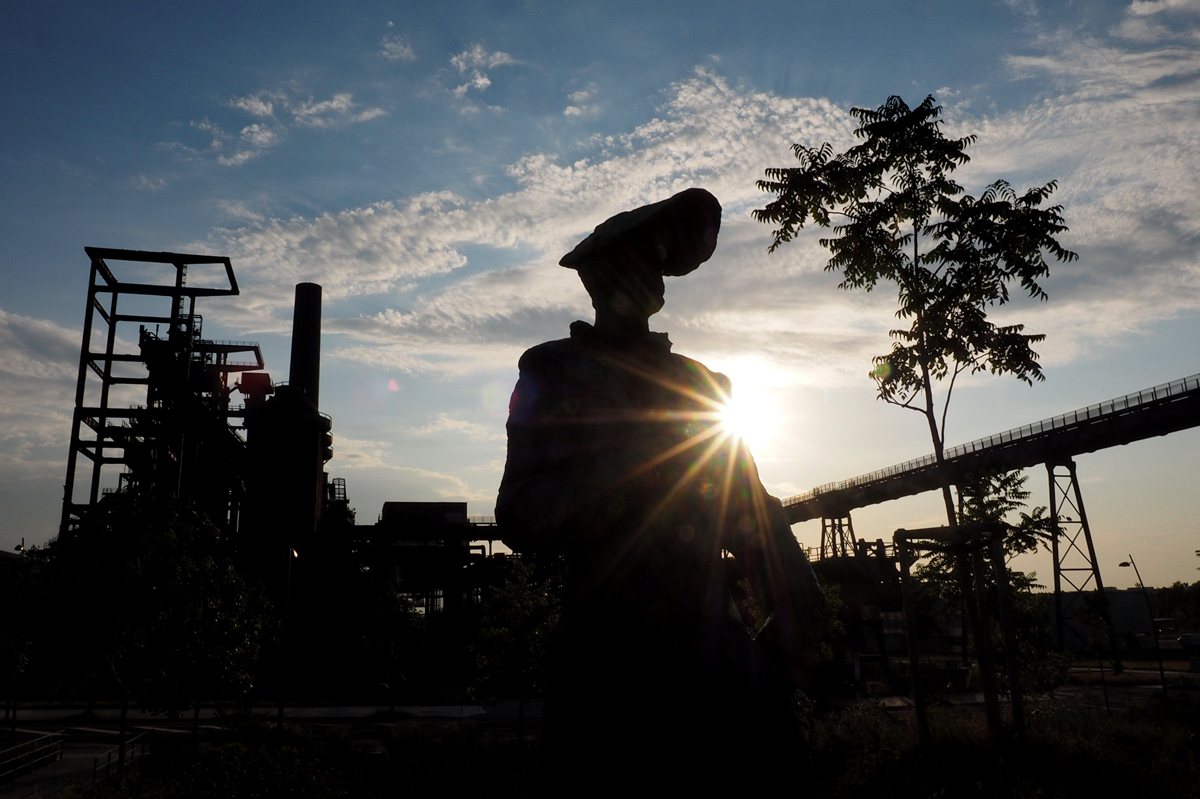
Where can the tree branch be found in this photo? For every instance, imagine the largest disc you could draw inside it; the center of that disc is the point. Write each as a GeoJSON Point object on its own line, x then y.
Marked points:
{"type": "Point", "coordinates": [958, 368]}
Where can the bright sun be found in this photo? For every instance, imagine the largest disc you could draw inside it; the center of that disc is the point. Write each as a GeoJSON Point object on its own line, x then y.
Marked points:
{"type": "Point", "coordinates": [752, 413]}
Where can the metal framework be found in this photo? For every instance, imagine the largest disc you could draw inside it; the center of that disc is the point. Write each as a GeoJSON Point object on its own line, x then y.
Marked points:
{"type": "Point", "coordinates": [185, 425]}
{"type": "Point", "coordinates": [1074, 559]}
{"type": "Point", "coordinates": [837, 538]}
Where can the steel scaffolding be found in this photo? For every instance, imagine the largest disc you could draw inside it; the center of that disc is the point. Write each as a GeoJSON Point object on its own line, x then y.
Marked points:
{"type": "Point", "coordinates": [184, 439]}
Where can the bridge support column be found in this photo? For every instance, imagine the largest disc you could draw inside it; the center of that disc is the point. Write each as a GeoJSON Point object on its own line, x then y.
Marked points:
{"type": "Point", "coordinates": [1075, 563]}
{"type": "Point", "coordinates": [837, 537]}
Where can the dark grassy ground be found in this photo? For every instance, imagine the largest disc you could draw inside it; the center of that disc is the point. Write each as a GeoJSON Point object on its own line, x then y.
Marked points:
{"type": "Point", "coordinates": [1072, 751]}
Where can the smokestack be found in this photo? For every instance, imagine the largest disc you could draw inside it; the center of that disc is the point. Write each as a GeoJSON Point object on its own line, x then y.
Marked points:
{"type": "Point", "coordinates": [305, 370]}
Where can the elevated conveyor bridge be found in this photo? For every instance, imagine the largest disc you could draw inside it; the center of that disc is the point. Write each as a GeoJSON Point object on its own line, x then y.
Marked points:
{"type": "Point", "coordinates": [1143, 414]}
{"type": "Point", "coordinates": [1055, 442]}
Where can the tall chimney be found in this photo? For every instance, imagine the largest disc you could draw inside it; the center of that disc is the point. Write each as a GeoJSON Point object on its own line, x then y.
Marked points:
{"type": "Point", "coordinates": [305, 370]}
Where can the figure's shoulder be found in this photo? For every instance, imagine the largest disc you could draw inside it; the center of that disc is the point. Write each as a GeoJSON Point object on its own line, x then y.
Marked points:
{"type": "Point", "coordinates": [547, 355]}
{"type": "Point", "coordinates": [580, 347]}
{"type": "Point", "coordinates": [702, 376]}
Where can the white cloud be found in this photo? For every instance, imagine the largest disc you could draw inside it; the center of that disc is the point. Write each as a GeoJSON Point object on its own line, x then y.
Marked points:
{"type": "Point", "coordinates": [1119, 137]}
{"type": "Point", "coordinates": [477, 81]}
{"type": "Point", "coordinates": [477, 56]}
{"type": "Point", "coordinates": [1158, 21]}
{"type": "Point", "coordinates": [394, 48]}
{"type": "Point", "coordinates": [338, 110]}
{"type": "Point", "coordinates": [580, 104]}
{"type": "Point", "coordinates": [259, 138]}
{"type": "Point", "coordinates": [39, 362]}
{"type": "Point", "coordinates": [711, 134]}
{"type": "Point", "coordinates": [354, 454]}
{"type": "Point", "coordinates": [258, 105]}
{"type": "Point", "coordinates": [461, 427]}
{"type": "Point", "coordinates": [219, 137]}
{"type": "Point", "coordinates": [1145, 8]}
{"type": "Point", "coordinates": [143, 182]}
{"type": "Point", "coordinates": [475, 59]}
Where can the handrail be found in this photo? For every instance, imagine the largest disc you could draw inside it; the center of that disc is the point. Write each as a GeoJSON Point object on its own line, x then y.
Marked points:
{"type": "Point", "coordinates": [31, 754]}
{"type": "Point", "coordinates": [101, 771]}
{"type": "Point", "coordinates": [1108, 408]}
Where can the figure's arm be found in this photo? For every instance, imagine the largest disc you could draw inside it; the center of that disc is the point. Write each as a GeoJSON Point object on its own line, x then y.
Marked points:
{"type": "Point", "coordinates": [530, 503]}
{"type": "Point", "coordinates": [777, 569]}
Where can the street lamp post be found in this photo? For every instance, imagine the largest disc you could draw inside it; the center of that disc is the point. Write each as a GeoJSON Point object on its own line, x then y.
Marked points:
{"type": "Point", "coordinates": [1162, 675]}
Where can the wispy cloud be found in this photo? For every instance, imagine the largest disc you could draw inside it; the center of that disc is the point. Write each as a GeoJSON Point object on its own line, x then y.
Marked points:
{"type": "Point", "coordinates": [581, 103]}
{"type": "Point", "coordinates": [1154, 21]}
{"type": "Point", "coordinates": [394, 48]}
{"type": "Point", "coordinates": [477, 57]}
{"type": "Point", "coordinates": [475, 60]}
{"type": "Point", "coordinates": [406, 481]}
{"type": "Point", "coordinates": [258, 105]}
{"type": "Point", "coordinates": [461, 427]}
{"type": "Point", "coordinates": [143, 182]}
{"type": "Point", "coordinates": [38, 367]}
{"type": "Point", "coordinates": [276, 110]}
{"type": "Point", "coordinates": [710, 134]}
{"type": "Point", "coordinates": [1119, 137]}
{"type": "Point", "coordinates": [340, 109]}
{"type": "Point", "coordinates": [1146, 8]}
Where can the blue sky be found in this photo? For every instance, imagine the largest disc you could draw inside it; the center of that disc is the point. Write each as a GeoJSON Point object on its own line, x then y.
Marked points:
{"type": "Point", "coordinates": [429, 164]}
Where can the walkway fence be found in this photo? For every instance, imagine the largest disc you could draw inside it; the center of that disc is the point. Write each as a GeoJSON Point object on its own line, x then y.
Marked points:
{"type": "Point", "coordinates": [25, 757]}
{"type": "Point", "coordinates": [136, 749]}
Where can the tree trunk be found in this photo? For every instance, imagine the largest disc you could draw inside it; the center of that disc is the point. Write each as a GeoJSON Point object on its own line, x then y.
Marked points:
{"type": "Point", "coordinates": [963, 570]}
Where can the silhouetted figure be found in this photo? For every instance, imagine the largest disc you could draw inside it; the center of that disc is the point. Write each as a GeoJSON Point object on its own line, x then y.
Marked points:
{"type": "Point", "coordinates": [618, 460]}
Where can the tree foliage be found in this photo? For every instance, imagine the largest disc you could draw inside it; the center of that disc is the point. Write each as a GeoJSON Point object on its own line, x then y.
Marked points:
{"type": "Point", "coordinates": [999, 496]}
{"type": "Point", "coordinates": [152, 607]}
{"type": "Point", "coordinates": [510, 652]}
{"type": "Point", "coordinates": [898, 217]}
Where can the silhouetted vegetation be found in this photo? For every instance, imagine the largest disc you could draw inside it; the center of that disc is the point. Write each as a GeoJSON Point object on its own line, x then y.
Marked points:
{"type": "Point", "coordinates": [951, 256]}
{"type": "Point", "coordinates": [147, 608]}
{"type": "Point", "coordinates": [510, 652]}
{"type": "Point", "coordinates": [996, 496]}
{"type": "Point", "coordinates": [1179, 601]}
{"type": "Point", "coordinates": [865, 751]}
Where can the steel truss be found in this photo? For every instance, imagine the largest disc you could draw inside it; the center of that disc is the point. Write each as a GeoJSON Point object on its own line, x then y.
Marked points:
{"type": "Point", "coordinates": [1075, 563]}
{"type": "Point", "coordinates": [183, 440]}
{"type": "Point", "coordinates": [837, 538]}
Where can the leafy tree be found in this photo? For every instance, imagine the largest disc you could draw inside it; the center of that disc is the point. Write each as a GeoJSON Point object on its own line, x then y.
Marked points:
{"type": "Point", "coordinates": [152, 608]}
{"type": "Point", "coordinates": [510, 653]}
{"type": "Point", "coordinates": [951, 256]}
{"type": "Point", "coordinates": [21, 595]}
{"type": "Point", "coordinates": [999, 496]}
{"type": "Point", "coordinates": [394, 640]}
{"type": "Point", "coordinates": [1181, 602]}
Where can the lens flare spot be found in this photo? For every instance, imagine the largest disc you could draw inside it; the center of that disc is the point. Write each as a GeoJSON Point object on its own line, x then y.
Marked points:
{"type": "Point", "coordinates": [393, 385]}
{"type": "Point", "coordinates": [494, 396]}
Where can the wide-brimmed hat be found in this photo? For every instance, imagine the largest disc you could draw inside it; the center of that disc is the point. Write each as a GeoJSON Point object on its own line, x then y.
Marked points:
{"type": "Point", "coordinates": [674, 235]}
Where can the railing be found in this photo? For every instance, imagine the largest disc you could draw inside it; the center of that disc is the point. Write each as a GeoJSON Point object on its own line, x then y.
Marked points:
{"type": "Point", "coordinates": [135, 751]}
{"type": "Point", "coordinates": [27, 756]}
{"type": "Point", "coordinates": [225, 343]}
{"type": "Point", "coordinates": [1100, 410]}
